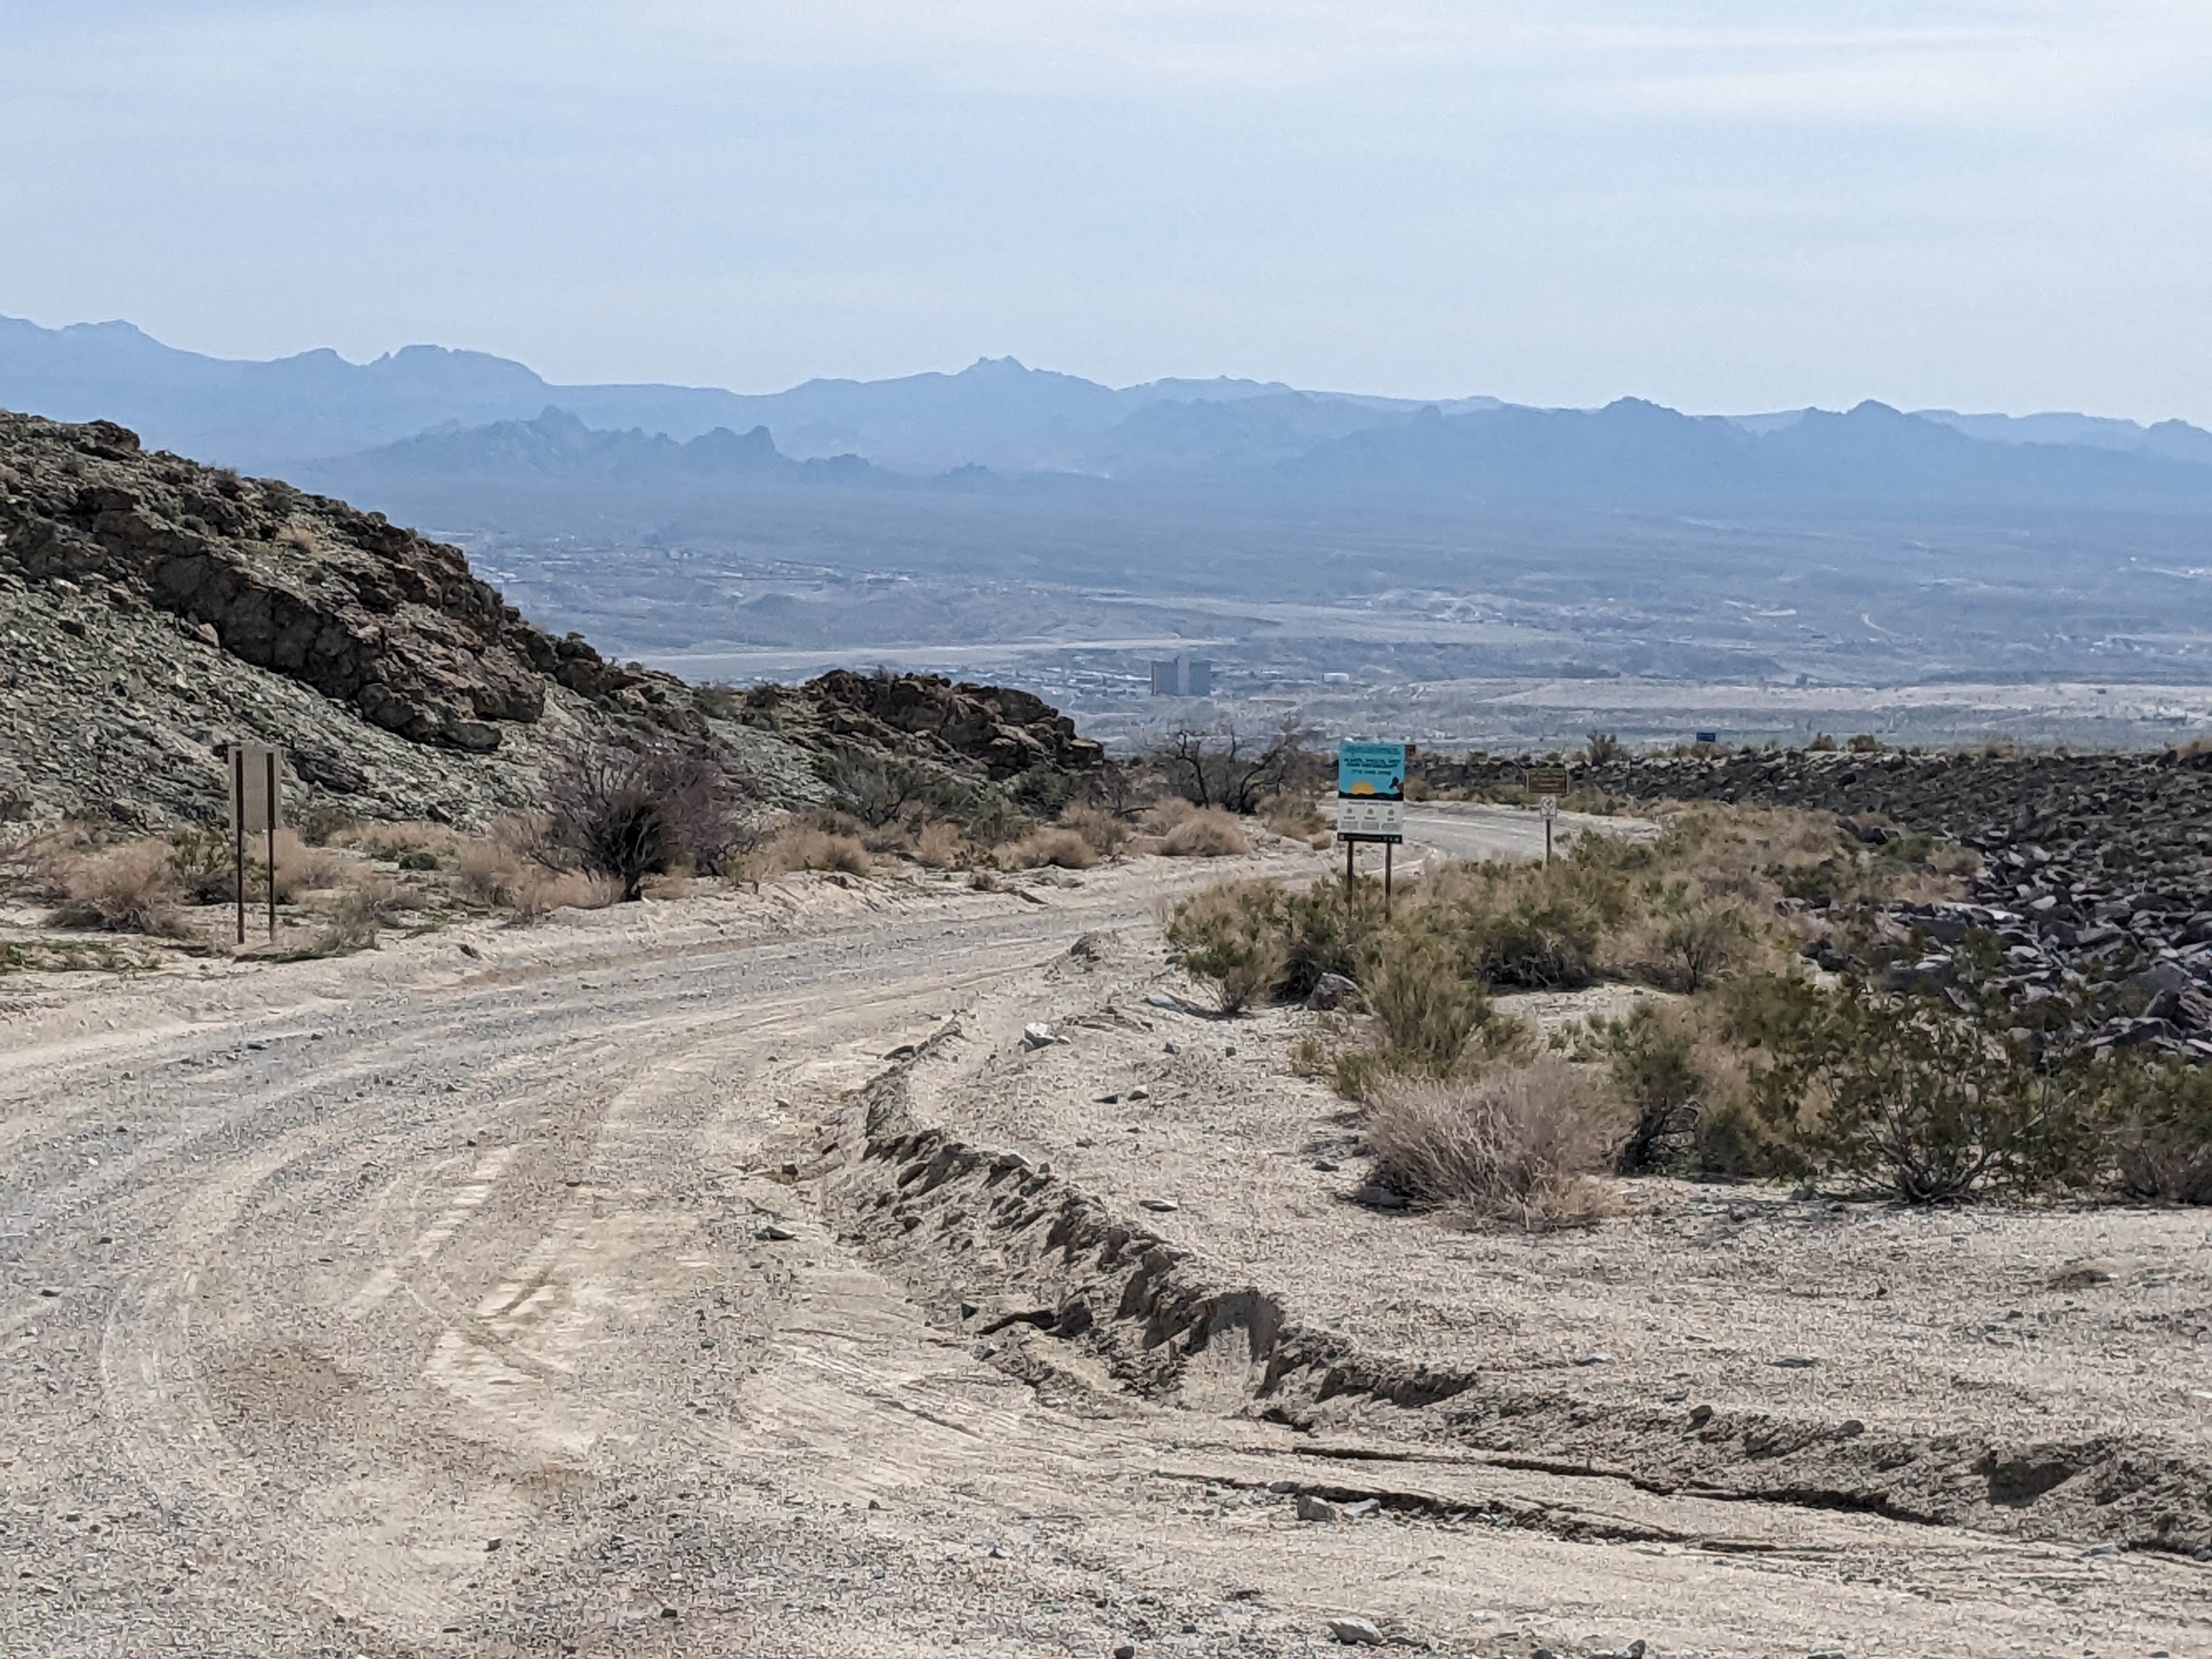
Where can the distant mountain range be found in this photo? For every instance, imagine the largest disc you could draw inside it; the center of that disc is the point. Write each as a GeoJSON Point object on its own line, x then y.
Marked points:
{"type": "Point", "coordinates": [427, 424]}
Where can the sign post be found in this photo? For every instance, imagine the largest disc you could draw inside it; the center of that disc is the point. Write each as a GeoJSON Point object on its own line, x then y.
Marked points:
{"type": "Point", "coordinates": [1548, 784]}
{"type": "Point", "coordinates": [256, 771]}
{"type": "Point", "coordinates": [1371, 804]}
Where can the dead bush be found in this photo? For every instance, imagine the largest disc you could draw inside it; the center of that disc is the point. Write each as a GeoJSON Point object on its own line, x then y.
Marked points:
{"type": "Point", "coordinates": [1064, 849]}
{"type": "Point", "coordinates": [1209, 833]}
{"type": "Point", "coordinates": [491, 875]}
{"type": "Point", "coordinates": [1520, 1145]}
{"type": "Point", "coordinates": [629, 813]}
{"type": "Point", "coordinates": [130, 888]}
{"type": "Point", "coordinates": [1165, 813]}
{"type": "Point", "coordinates": [301, 869]}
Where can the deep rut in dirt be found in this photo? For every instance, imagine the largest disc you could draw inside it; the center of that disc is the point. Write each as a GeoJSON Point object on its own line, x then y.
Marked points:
{"type": "Point", "coordinates": [1059, 1285]}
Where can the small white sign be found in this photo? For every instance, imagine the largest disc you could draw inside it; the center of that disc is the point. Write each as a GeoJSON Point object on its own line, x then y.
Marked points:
{"type": "Point", "coordinates": [1548, 805]}
{"type": "Point", "coordinates": [1364, 814]}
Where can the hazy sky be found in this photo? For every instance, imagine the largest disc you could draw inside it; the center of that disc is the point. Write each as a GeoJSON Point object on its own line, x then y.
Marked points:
{"type": "Point", "coordinates": [1723, 206]}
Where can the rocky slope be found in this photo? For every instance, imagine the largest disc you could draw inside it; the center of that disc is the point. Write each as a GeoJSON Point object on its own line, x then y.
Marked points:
{"type": "Point", "coordinates": [2096, 869]}
{"type": "Point", "coordinates": [153, 609]}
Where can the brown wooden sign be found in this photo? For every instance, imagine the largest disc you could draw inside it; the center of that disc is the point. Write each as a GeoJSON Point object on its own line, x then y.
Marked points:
{"type": "Point", "coordinates": [1547, 780]}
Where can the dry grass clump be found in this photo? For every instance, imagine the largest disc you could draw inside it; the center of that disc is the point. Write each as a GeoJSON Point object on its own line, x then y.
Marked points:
{"type": "Point", "coordinates": [130, 888]}
{"type": "Point", "coordinates": [1295, 817]}
{"type": "Point", "coordinates": [809, 847]}
{"type": "Point", "coordinates": [1522, 1145]}
{"type": "Point", "coordinates": [1207, 833]}
{"type": "Point", "coordinates": [301, 869]}
{"type": "Point", "coordinates": [367, 904]}
{"type": "Point", "coordinates": [1106, 834]}
{"type": "Point", "coordinates": [1064, 849]}
{"type": "Point", "coordinates": [493, 874]}
{"type": "Point", "coordinates": [938, 846]}
{"type": "Point", "coordinates": [1165, 813]}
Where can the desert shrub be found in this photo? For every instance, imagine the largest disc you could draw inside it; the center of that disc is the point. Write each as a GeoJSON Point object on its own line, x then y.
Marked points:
{"type": "Point", "coordinates": [492, 875]}
{"type": "Point", "coordinates": [1106, 834]}
{"type": "Point", "coordinates": [352, 920]}
{"type": "Point", "coordinates": [204, 863]}
{"type": "Point", "coordinates": [1209, 833]}
{"type": "Point", "coordinates": [939, 845]}
{"type": "Point", "coordinates": [1230, 935]}
{"type": "Point", "coordinates": [2159, 1119]}
{"type": "Point", "coordinates": [1699, 940]}
{"type": "Point", "coordinates": [1864, 743]}
{"type": "Point", "coordinates": [718, 700]}
{"type": "Point", "coordinates": [130, 888]}
{"type": "Point", "coordinates": [1425, 1011]}
{"type": "Point", "coordinates": [1293, 816]}
{"type": "Point", "coordinates": [1534, 927]}
{"type": "Point", "coordinates": [1908, 1095]}
{"type": "Point", "coordinates": [319, 822]}
{"type": "Point", "coordinates": [1165, 813]}
{"type": "Point", "coordinates": [1065, 849]}
{"type": "Point", "coordinates": [1820, 743]}
{"type": "Point", "coordinates": [993, 819]}
{"type": "Point", "coordinates": [1654, 1069]}
{"type": "Point", "coordinates": [1045, 791]}
{"type": "Point", "coordinates": [811, 847]}
{"type": "Point", "coordinates": [1519, 1145]}
{"type": "Point", "coordinates": [629, 813]}
{"type": "Point", "coordinates": [301, 869]}
{"type": "Point", "coordinates": [1602, 749]}
{"type": "Point", "coordinates": [1418, 787]}
{"type": "Point", "coordinates": [879, 790]}
{"type": "Point", "coordinates": [1323, 934]}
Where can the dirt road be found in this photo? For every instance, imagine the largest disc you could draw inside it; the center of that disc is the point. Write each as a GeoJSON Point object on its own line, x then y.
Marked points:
{"type": "Point", "coordinates": [479, 1296]}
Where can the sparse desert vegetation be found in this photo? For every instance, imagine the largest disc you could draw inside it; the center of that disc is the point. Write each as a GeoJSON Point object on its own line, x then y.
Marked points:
{"type": "Point", "coordinates": [1746, 1061]}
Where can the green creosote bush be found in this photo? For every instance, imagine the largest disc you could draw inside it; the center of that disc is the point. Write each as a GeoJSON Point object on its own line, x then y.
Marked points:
{"type": "Point", "coordinates": [1230, 935]}
{"type": "Point", "coordinates": [1908, 1096]}
{"type": "Point", "coordinates": [1654, 1068]}
{"type": "Point", "coordinates": [2157, 1116]}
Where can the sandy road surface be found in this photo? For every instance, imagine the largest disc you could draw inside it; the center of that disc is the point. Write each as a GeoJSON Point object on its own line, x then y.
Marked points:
{"type": "Point", "coordinates": [435, 1303]}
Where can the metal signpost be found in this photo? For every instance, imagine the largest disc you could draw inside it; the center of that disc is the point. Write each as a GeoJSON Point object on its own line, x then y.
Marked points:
{"type": "Point", "coordinates": [1548, 784]}
{"type": "Point", "coordinates": [256, 774]}
{"type": "Point", "coordinates": [1371, 804]}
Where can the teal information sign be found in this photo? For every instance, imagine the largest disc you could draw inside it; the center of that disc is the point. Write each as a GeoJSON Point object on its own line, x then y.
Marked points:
{"type": "Point", "coordinates": [1371, 771]}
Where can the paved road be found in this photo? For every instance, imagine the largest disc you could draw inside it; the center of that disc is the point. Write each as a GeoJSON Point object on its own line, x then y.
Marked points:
{"type": "Point", "coordinates": [1471, 831]}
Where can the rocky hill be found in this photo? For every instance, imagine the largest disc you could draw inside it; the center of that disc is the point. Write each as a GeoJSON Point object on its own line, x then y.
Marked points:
{"type": "Point", "coordinates": [153, 609]}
